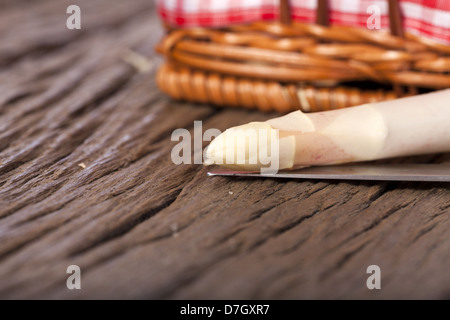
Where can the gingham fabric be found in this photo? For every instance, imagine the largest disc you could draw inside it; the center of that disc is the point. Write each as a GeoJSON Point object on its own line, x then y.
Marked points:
{"type": "Point", "coordinates": [430, 18]}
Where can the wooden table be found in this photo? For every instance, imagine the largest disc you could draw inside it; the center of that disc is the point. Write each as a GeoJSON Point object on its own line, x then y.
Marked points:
{"type": "Point", "coordinates": [86, 179]}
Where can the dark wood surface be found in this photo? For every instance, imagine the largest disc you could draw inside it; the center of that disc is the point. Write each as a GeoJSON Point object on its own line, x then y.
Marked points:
{"type": "Point", "coordinates": [140, 226]}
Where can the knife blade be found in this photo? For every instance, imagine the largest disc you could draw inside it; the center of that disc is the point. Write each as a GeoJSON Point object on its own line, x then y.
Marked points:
{"type": "Point", "coordinates": [374, 172]}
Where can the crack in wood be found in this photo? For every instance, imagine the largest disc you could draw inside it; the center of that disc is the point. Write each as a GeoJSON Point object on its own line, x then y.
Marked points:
{"type": "Point", "coordinates": [123, 229]}
{"type": "Point", "coordinates": [341, 262]}
{"type": "Point", "coordinates": [372, 225]}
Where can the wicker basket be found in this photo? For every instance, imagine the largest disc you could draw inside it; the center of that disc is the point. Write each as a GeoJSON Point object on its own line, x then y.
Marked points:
{"type": "Point", "coordinates": [286, 66]}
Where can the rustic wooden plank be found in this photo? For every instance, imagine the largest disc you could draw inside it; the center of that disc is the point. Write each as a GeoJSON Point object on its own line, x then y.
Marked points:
{"type": "Point", "coordinates": [140, 226]}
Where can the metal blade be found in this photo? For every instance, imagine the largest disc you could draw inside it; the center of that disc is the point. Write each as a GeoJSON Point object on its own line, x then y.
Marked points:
{"type": "Point", "coordinates": [379, 172]}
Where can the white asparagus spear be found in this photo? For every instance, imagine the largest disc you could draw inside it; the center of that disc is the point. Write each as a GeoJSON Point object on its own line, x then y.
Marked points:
{"type": "Point", "coordinates": [402, 127]}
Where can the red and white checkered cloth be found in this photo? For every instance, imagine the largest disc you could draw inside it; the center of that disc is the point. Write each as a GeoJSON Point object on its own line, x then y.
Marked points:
{"type": "Point", "coordinates": [430, 18]}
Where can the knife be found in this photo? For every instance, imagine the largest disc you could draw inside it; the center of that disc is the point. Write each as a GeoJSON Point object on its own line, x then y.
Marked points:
{"type": "Point", "coordinates": [375, 172]}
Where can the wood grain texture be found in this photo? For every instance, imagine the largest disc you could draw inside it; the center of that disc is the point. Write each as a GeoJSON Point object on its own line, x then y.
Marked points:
{"type": "Point", "coordinates": [140, 226]}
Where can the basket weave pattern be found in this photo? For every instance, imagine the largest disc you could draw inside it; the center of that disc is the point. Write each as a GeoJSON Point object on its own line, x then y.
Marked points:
{"type": "Point", "coordinates": [286, 67]}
